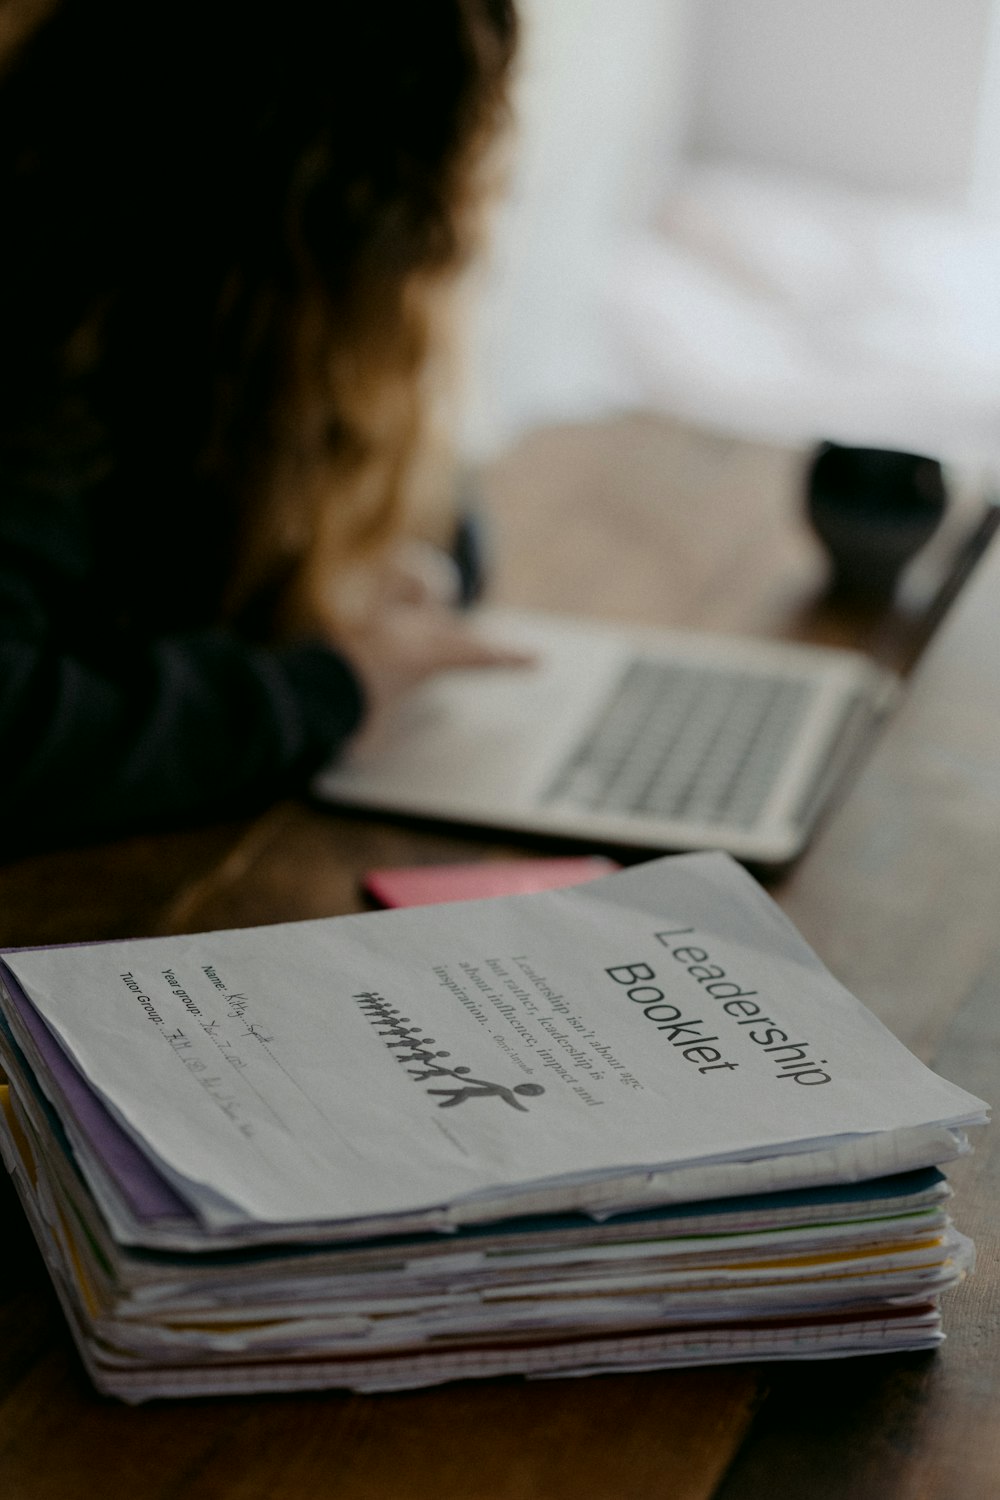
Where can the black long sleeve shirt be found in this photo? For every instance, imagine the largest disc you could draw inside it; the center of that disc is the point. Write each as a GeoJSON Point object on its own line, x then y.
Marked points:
{"type": "Point", "coordinates": [122, 706]}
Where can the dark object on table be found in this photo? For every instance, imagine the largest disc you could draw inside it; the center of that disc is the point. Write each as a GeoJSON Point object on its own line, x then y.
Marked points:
{"type": "Point", "coordinates": [469, 548]}
{"type": "Point", "coordinates": [468, 552]}
{"type": "Point", "coordinates": [873, 508]}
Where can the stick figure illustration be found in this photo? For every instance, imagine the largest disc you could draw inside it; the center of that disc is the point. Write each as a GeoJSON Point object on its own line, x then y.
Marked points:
{"type": "Point", "coordinates": [409, 1035]}
{"type": "Point", "coordinates": [481, 1088]}
{"type": "Point", "coordinates": [423, 1056]}
{"type": "Point", "coordinates": [434, 1070]}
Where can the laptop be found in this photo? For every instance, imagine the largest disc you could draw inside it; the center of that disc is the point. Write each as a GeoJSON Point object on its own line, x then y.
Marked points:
{"type": "Point", "coordinates": [624, 737]}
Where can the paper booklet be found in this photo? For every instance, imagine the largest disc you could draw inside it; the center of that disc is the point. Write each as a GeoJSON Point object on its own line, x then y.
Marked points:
{"type": "Point", "coordinates": [655, 1127]}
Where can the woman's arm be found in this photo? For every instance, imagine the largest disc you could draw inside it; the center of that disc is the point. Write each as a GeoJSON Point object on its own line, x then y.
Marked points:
{"type": "Point", "coordinates": [104, 731]}
{"type": "Point", "coordinates": [179, 729]}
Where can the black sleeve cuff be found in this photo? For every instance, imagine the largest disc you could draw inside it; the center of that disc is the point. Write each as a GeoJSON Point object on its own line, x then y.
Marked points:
{"type": "Point", "coordinates": [328, 703]}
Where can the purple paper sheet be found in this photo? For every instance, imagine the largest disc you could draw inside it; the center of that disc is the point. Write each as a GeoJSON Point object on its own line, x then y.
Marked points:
{"type": "Point", "coordinates": [147, 1194]}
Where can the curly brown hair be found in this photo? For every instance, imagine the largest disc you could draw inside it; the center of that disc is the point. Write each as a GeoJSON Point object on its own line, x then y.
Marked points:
{"type": "Point", "coordinates": [225, 231]}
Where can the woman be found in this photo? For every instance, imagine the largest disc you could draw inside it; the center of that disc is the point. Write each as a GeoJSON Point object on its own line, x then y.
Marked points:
{"type": "Point", "coordinates": [226, 231]}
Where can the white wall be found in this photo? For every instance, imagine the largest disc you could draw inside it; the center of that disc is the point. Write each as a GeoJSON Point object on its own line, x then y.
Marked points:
{"type": "Point", "coordinates": [879, 94]}
{"type": "Point", "coordinates": [829, 262]}
{"type": "Point", "coordinates": [601, 109]}
{"type": "Point", "coordinates": [894, 101]}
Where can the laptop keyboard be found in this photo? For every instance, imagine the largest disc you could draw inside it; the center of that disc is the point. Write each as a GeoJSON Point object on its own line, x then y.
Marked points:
{"type": "Point", "coordinates": [696, 743]}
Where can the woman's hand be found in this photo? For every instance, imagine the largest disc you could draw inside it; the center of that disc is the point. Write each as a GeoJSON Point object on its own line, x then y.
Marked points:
{"type": "Point", "coordinates": [408, 631]}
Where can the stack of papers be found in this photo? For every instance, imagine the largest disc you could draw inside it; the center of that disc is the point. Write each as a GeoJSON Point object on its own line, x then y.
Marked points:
{"type": "Point", "coordinates": [628, 1125]}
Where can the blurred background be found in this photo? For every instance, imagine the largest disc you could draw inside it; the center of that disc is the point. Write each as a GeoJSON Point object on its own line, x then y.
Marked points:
{"type": "Point", "coordinates": [776, 218]}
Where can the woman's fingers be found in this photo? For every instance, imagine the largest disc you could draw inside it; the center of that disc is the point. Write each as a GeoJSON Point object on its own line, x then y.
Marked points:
{"type": "Point", "coordinates": [404, 644]}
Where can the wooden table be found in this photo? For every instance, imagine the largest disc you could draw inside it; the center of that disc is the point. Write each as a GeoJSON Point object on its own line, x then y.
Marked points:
{"type": "Point", "coordinates": [900, 894]}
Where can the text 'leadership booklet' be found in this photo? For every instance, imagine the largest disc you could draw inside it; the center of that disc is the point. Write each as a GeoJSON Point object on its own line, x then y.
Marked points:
{"type": "Point", "coordinates": [631, 1123]}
